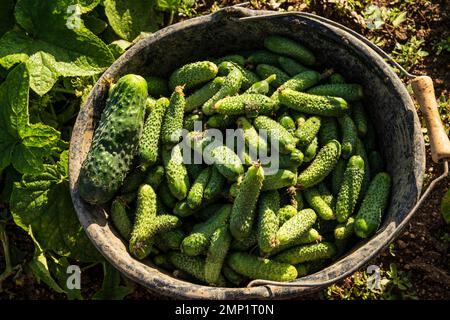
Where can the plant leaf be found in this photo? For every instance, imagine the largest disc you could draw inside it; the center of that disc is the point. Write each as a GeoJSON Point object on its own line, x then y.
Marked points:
{"type": "Point", "coordinates": [445, 206]}
{"type": "Point", "coordinates": [111, 288]}
{"type": "Point", "coordinates": [128, 18]}
{"type": "Point", "coordinates": [39, 266]}
{"type": "Point", "coordinates": [70, 49]}
{"type": "Point", "coordinates": [58, 267]}
{"type": "Point", "coordinates": [43, 202]}
{"type": "Point", "coordinates": [168, 4]}
{"type": "Point", "coordinates": [399, 19]}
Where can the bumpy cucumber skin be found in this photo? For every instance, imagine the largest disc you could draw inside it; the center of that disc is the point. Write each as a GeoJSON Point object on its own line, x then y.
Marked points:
{"type": "Point", "coordinates": [189, 121]}
{"type": "Point", "coordinates": [115, 141]}
{"type": "Point", "coordinates": [145, 226]}
{"type": "Point", "coordinates": [182, 209]}
{"type": "Point", "coordinates": [162, 261]}
{"type": "Point", "coordinates": [317, 203]}
{"type": "Point", "coordinates": [197, 242]}
{"type": "Point", "coordinates": [157, 87]}
{"type": "Point", "coordinates": [299, 82]}
{"type": "Point", "coordinates": [193, 74]}
{"type": "Point", "coordinates": [338, 175]}
{"type": "Point", "coordinates": [350, 188]}
{"type": "Point", "coordinates": [243, 213]}
{"type": "Point", "coordinates": [173, 119]}
{"type": "Point", "coordinates": [236, 58]}
{"type": "Point", "coordinates": [220, 121]}
{"type": "Point", "coordinates": [291, 161]}
{"type": "Point", "coordinates": [263, 57]}
{"type": "Point", "coordinates": [155, 176]}
{"type": "Point", "coordinates": [311, 151]}
{"type": "Point", "coordinates": [170, 240]}
{"type": "Point", "coordinates": [280, 179]}
{"type": "Point", "coordinates": [268, 221]}
{"type": "Point", "coordinates": [263, 86]}
{"type": "Point", "coordinates": [311, 236]}
{"type": "Point", "coordinates": [336, 78]}
{"type": "Point", "coordinates": [308, 131]}
{"type": "Point", "coordinates": [120, 218]}
{"type": "Point", "coordinates": [176, 173]}
{"type": "Point", "coordinates": [258, 268]}
{"type": "Point", "coordinates": [248, 77]}
{"type": "Point", "coordinates": [360, 118]}
{"type": "Point", "coordinates": [346, 91]}
{"type": "Point", "coordinates": [296, 226]}
{"type": "Point", "coordinates": [251, 136]}
{"type": "Point", "coordinates": [217, 251]}
{"type": "Point", "coordinates": [247, 243]}
{"type": "Point", "coordinates": [195, 266]}
{"type": "Point", "coordinates": [232, 276]}
{"type": "Point", "coordinates": [150, 103]}
{"type": "Point", "coordinates": [287, 122]}
{"type": "Point", "coordinates": [195, 195]}
{"type": "Point", "coordinates": [285, 213]}
{"type": "Point", "coordinates": [133, 180]}
{"type": "Point", "coordinates": [230, 87]}
{"type": "Point", "coordinates": [165, 195]}
{"type": "Point", "coordinates": [305, 253]}
{"type": "Point", "coordinates": [150, 139]}
{"type": "Point", "coordinates": [276, 131]}
{"type": "Point", "coordinates": [349, 136]}
{"type": "Point", "coordinates": [215, 185]}
{"type": "Point", "coordinates": [227, 162]}
{"type": "Point", "coordinates": [312, 104]}
{"type": "Point", "coordinates": [290, 66]}
{"type": "Point", "coordinates": [326, 194]}
{"type": "Point", "coordinates": [373, 206]}
{"type": "Point", "coordinates": [321, 166]}
{"type": "Point", "coordinates": [288, 47]}
{"type": "Point", "coordinates": [328, 130]}
{"type": "Point", "coordinates": [266, 70]}
{"type": "Point", "coordinates": [200, 96]}
{"type": "Point", "coordinates": [249, 104]}
{"type": "Point", "coordinates": [376, 162]}
{"type": "Point", "coordinates": [360, 150]}
{"type": "Point", "coordinates": [344, 230]}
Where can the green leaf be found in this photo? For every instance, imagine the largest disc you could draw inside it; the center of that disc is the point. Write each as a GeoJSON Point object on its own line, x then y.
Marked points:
{"type": "Point", "coordinates": [445, 206]}
{"type": "Point", "coordinates": [6, 15]}
{"type": "Point", "coordinates": [111, 288]}
{"type": "Point", "coordinates": [168, 5]}
{"type": "Point", "coordinates": [24, 145]}
{"type": "Point", "coordinates": [129, 18]}
{"type": "Point", "coordinates": [69, 48]}
{"type": "Point", "coordinates": [39, 266]}
{"type": "Point", "coordinates": [399, 19]}
{"type": "Point", "coordinates": [43, 202]}
{"type": "Point", "coordinates": [58, 267]}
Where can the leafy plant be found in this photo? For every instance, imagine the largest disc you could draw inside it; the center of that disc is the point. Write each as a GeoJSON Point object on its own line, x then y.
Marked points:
{"type": "Point", "coordinates": [445, 207]}
{"type": "Point", "coordinates": [410, 53]}
{"type": "Point", "coordinates": [376, 17]}
{"type": "Point", "coordinates": [442, 46]}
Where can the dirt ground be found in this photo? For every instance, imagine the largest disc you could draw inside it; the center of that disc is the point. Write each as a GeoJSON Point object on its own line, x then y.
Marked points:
{"type": "Point", "coordinates": [422, 250]}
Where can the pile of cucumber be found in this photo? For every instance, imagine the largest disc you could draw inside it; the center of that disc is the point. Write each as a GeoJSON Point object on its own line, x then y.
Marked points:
{"type": "Point", "coordinates": [228, 222]}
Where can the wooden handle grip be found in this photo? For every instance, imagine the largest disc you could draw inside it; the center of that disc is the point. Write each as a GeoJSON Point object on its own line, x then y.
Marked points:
{"type": "Point", "coordinates": [424, 91]}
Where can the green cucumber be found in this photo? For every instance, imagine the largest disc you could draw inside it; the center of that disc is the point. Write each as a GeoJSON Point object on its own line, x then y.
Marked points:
{"type": "Point", "coordinates": [290, 48]}
{"type": "Point", "coordinates": [150, 139]}
{"type": "Point", "coordinates": [196, 193]}
{"type": "Point", "coordinates": [321, 166]}
{"type": "Point", "coordinates": [316, 105]}
{"type": "Point", "coordinates": [280, 179]}
{"type": "Point", "coordinates": [315, 200]}
{"type": "Point", "coordinates": [349, 136]}
{"type": "Point", "coordinates": [306, 253]}
{"type": "Point", "coordinates": [243, 213]}
{"type": "Point", "coordinates": [328, 130]}
{"type": "Point", "coordinates": [263, 86]}
{"type": "Point", "coordinates": [193, 74]}
{"type": "Point", "coordinates": [249, 104]}
{"type": "Point", "coordinates": [176, 173]}
{"type": "Point", "coordinates": [290, 66]}
{"type": "Point", "coordinates": [296, 226]}
{"type": "Point", "coordinates": [268, 221]}
{"type": "Point", "coordinates": [368, 218]}
{"type": "Point", "coordinates": [120, 218]}
{"type": "Point", "coordinates": [200, 96]}
{"type": "Point", "coordinates": [173, 119]}
{"type": "Point", "coordinates": [215, 257]}
{"type": "Point", "coordinates": [266, 70]}
{"type": "Point", "coordinates": [346, 91]}
{"type": "Point", "coordinates": [275, 131]}
{"type": "Point", "coordinates": [308, 131]}
{"type": "Point", "coordinates": [115, 141]}
{"type": "Point", "coordinates": [157, 87]}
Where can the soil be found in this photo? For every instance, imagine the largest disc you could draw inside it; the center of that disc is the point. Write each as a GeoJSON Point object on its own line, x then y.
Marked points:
{"type": "Point", "coordinates": [422, 249]}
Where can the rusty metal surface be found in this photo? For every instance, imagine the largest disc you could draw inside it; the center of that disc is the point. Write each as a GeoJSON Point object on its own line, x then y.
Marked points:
{"type": "Point", "coordinates": [388, 103]}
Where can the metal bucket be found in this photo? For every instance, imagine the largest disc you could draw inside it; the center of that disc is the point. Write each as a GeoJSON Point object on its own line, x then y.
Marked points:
{"type": "Point", "coordinates": [235, 29]}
